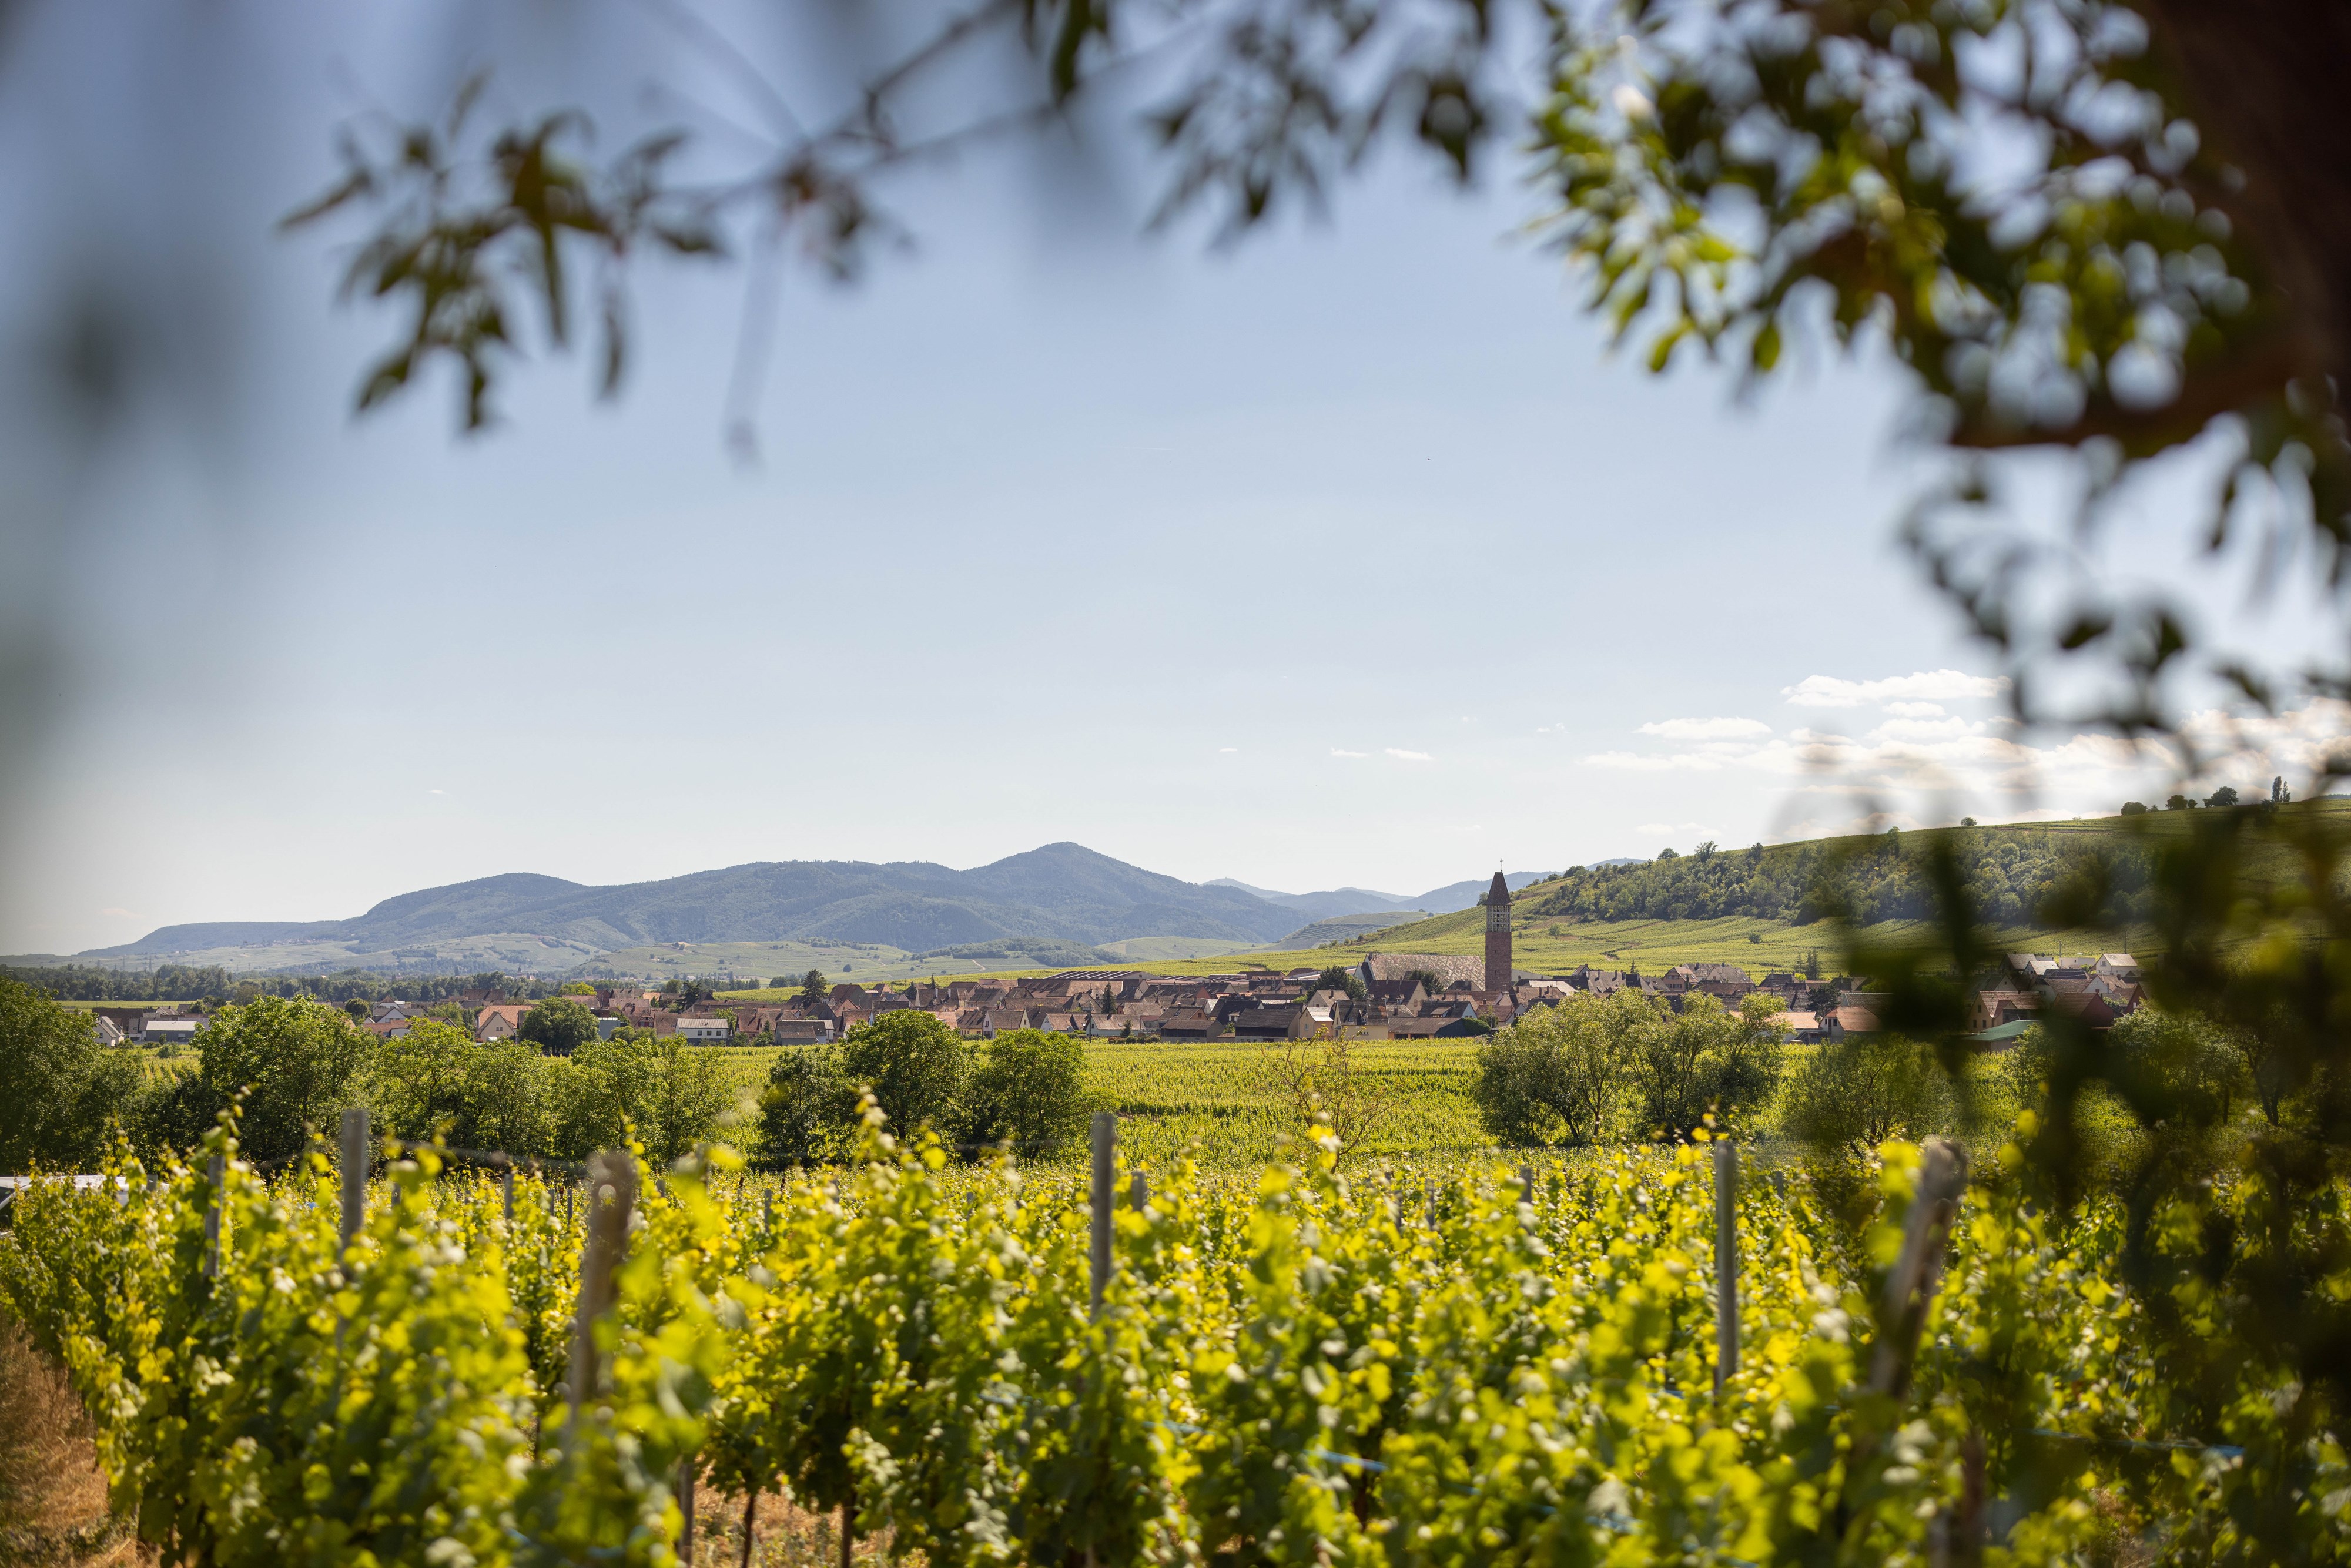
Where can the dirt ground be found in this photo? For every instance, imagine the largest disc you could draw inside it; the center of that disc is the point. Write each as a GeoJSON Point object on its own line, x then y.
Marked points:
{"type": "Point", "coordinates": [54, 1514]}
{"type": "Point", "coordinates": [53, 1509]}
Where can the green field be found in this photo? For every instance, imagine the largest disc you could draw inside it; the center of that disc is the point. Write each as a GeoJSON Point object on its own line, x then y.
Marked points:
{"type": "Point", "coordinates": [1211, 1100]}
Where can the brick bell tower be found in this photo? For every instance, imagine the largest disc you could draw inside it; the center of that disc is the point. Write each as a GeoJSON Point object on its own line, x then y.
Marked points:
{"type": "Point", "coordinates": [1497, 935]}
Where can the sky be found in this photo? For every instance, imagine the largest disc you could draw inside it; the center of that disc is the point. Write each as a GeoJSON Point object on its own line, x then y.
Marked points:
{"type": "Point", "coordinates": [1347, 555]}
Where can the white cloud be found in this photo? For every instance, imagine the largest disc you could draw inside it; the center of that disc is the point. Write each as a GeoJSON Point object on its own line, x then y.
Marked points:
{"type": "Point", "coordinates": [1926, 685]}
{"type": "Point", "coordinates": [1336, 751]}
{"type": "Point", "coordinates": [121, 914]}
{"type": "Point", "coordinates": [436, 791]}
{"type": "Point", "coordinates": [1671, 828]}
{"type": "Point", "coordinates": [1398, 751]}
{"type": "Point", "coordinates": [1709, 729]}
{"type": "Point", "coordinates": [1915, 710]}
{"type": "Point", "coordinates": [1227, 750]}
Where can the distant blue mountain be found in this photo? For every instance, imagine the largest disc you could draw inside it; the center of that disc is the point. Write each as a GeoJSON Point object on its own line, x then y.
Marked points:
{"type": "Point", "coordinates": [1062, 891]}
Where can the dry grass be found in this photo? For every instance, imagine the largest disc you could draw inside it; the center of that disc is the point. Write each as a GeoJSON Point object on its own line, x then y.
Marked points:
{"type": "Point", "coordinates": [784, 1535]}
{"type": "Point", "coordinates": [53, 1505]}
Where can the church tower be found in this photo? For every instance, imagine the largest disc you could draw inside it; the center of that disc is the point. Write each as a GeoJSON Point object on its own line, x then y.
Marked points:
{"type": "Point", "coordinates": [1497, 935]}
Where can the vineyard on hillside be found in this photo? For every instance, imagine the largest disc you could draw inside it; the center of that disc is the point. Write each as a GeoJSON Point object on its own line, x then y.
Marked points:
{"type": "Point", "coordinates": [1499, 1366]}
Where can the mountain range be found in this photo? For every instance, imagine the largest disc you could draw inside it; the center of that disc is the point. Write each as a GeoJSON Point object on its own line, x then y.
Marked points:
{"type": "Point", "coordinates": [1063, 891]}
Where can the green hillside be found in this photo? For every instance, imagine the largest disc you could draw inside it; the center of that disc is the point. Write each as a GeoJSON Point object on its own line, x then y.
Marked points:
{"type": "Point", "coordinates": [1765, 908]}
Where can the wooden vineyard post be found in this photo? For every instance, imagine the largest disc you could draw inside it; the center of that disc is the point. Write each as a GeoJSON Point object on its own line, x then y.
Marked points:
{"type": "Point", "coordinates": [506, 1194]}
{"type": "Point", "coordinates": [354, 1152]}
{"type": "Point", "coordinates": [1526, 1184]}
{"type": "Point", "coordinates": [1429, 1184]}
{"type": "Point", "coordinates": [213, 1175]}
{"type": "Point", "coordinates": [750, 1523]}
{"type": "Point", "coordinates": [611, 1194]}
{"type": "Point", "coordinates": [1138, 1192]}
{"type": "Point", "coordinates": [1917, 1268]}
{"type": "Point", "coordinates": [1726, 1262]}
{"type": "Point", "coordinates": [1106, 1149]}
{"type": "Point", "coordinates": [686, 1509]}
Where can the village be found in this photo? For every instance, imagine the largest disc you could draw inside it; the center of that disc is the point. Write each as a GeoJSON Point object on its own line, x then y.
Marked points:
{"type": "Point", "coordinates": [1381, 997]}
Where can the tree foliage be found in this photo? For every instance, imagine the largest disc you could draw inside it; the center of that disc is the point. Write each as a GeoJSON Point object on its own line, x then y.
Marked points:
{"type": "Point", "coordinates": [915, 1067]}
{"type": "Point", "coordinates": [1853, 1095]}
{"type": "Point", "coordinates": [60, 1089]}
{"type": "Point", "coordinates": [291, 1066]}
{"type": "Point", "coordinates": [559, 1026]}
{"type": "Point", "coordinates": [2012, 873]}
{"type": "Point", "coordinates": [1028, 1091]}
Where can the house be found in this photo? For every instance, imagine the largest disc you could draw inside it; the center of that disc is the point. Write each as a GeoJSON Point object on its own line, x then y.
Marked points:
{"type": "Point", "coordinates": [171, 1029]}
{"type": "Point", "coordinates": [801, 1032]}
{"type": "Point", "coordinates": [2089, 1005]}
{"type": "Point", "coordinates": [108, 1031]}
{"type": "Point", "coordinates": [1447, 967]}
{"type": "Point", "coordinates": [500, 1020]}
{"type": "Point", "coordinates": [389, 1028]}
{"type": "Point", "coordinates": [1803, 1028]}
{"type": "Point", "coordinates": [1990, 1009]}
{"type": "Point", "coordinates": [128, 1022]}
{"type": "Point", "coordinates": [1279, 1021]}
{"type": "Point", "coordinates": [1850, 1020]}
{"type": "Point", "coordinates": [710, 1029]}
{"type": "Point", "coordinates": [1190, 1023]}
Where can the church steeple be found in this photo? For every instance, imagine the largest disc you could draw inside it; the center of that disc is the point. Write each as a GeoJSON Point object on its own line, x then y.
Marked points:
{"type": "Point", "coordinates": [1497, 935]}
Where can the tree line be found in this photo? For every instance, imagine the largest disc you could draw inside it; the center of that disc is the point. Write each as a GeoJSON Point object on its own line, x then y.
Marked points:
{"type": "Point", "coordinates": [556, 1089]}
{"type": "Point", "coordinates": [293, 1064]}
{"type": "Point", "coordinates": [217, 986]}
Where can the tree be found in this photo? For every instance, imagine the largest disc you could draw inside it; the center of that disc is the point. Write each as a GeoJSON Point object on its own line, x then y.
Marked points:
{"type": "Point", "coordinates": [1429, 980]}
{"type": "Point", "coordinates": [687, 1097]}
{"type": "Point", "coordinates": [1341, 977]}
{"type": "Point", "coordinates": [438, 1081]}
{"type": "Point", "coordinates": [1028, 1091]}
{"type": "Point", "coordinates": [600, 1092]}
{"type": "Point", "coordinates": [357, 1009]}
{"type": "Point", "coordinates": [1328, 1089]}
{"type": "Point", "coordinates": [806, 1107]}
{"type": "Point", "coordinates": [298, 1065]}
{"type": "Point", "coordinates": [558, 1027]}
{"type": "Point", "coordinates": [2134, 808]}
{"type": "Point", "coordinates": [2186, 1071]}
{"type": "Point", "coordinates": [815, 987]}
{"type": "Point", "coordinates": [1703, 1062]}
{"type": "Point", "coordinates": [576, 988]}
{"type": "Point", "coordinates": [2223, 798]}
{"type": "Point", "coordinates": [1556, 1074]}
{"type": "Point", "coordinates": [1812, 965]}
{"type": "Point", "coordinates": [1854, 1093]}
{"type": "Point", "coordinates": [60, 1091]}
{"type": "Point", "coordinates": [913, 1065]}
{"type": "Point", "coordinates": [2179, 803]}
{"type": "Point", "coordinates": [2279, 794]}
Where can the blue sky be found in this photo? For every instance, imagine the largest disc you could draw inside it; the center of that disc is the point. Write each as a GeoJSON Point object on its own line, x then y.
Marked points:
{"type": "Point", "coordinates": [1349, 555]}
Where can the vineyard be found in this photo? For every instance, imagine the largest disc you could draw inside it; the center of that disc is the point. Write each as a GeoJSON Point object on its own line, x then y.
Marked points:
{"type": "Point", "coordinates": [1641, 1355]}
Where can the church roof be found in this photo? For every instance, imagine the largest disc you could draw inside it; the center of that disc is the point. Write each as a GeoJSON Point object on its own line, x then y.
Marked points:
{"type": "Point", "coordinates": [1500, 892]}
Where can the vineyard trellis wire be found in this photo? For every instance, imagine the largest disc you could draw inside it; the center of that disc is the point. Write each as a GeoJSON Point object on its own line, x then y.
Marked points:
{"type": "Point", "coordinates": [1637, 1356]}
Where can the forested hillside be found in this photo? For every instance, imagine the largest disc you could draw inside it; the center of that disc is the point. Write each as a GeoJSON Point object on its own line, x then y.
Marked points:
{"type": "Point", "coordinates": [2014, 871]}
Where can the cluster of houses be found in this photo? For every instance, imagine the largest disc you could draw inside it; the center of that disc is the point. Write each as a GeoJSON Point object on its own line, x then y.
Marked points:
{"type": "Point", "coordinates": [1402, 996]}
{"type": "Point", "coordinates": [1394, 996]}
